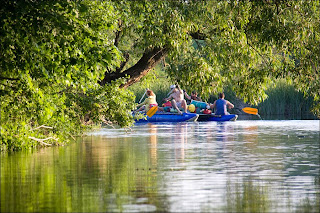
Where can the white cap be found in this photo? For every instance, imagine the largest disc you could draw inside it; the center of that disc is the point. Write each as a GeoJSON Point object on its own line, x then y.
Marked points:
{"type": "Point", "coordinates": [172, 86]}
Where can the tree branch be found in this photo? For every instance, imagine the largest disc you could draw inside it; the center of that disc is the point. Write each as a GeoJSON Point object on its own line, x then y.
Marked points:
{"type": "Point", "coordinates": [10, 79]}
{"type": "Point", "coordinates": [118, 34]}
{"type": "Point", "coordinates": [126, 56]}
{"type": "Point", "coordinates": [42, 140]}
{"type": "Point", "coordinates": [42, 126]}
{"type": "Point", "coordinates": [148, 61]}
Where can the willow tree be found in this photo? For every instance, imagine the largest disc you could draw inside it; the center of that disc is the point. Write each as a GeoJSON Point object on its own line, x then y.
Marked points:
{"type": "Point", "coordinates": [211, 44]}
{"type": "Point", "coordinates": [67, 63]}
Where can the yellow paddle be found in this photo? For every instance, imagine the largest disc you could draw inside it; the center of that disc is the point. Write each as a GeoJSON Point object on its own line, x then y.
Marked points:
{"type": "Point", "coordinates": [250, 110]}
{"type": "Point", "coordinates": [152, 111]}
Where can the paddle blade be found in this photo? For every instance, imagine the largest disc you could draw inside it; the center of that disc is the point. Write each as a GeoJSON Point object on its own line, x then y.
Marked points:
{"type": "Point", "coordinates": [250, 110]}
{"type": "Point", "coordinates": [152, 111]}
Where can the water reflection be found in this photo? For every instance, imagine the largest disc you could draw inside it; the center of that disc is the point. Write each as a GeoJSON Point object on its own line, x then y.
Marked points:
{"type": "Point", "coordinates": [247, 196]}
{"type": "Point", "coordinates": [254, 166]}
{"type": "Point", "coordinates": [180, 139]}
{"type": "Point", "coordinates": [153, 145]}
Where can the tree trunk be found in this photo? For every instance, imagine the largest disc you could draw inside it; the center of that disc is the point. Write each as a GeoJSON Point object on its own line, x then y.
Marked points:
{"type": "Point", "coordinates": [148, 61]}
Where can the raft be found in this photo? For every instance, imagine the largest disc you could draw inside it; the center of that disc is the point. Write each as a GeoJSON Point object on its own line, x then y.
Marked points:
{"type": "Point", "coordinates": [169, 117]}
{"type": "Point", "coordinates": [212, 117]}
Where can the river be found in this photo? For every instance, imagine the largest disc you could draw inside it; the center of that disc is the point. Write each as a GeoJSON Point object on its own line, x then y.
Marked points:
{"type": "Point", "coordinates": [242, 166]}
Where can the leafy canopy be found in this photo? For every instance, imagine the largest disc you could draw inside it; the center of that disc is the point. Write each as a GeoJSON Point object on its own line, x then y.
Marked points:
{"type": "Point", "coordinates": [55, 54]}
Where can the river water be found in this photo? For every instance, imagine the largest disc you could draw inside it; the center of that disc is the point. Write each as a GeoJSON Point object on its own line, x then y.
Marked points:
{"type": "Point", "coordinates": [242, 166]}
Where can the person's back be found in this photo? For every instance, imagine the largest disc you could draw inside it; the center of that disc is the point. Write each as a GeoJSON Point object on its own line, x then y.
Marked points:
{"type": "Point", "coordinates": [221, 106]}
{"type": "Point", "coordinates": [149, 102]}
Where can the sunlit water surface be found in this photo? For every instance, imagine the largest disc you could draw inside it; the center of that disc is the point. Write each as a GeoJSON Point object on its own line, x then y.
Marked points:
{"type": "Point", "coordinates": [255, 166]}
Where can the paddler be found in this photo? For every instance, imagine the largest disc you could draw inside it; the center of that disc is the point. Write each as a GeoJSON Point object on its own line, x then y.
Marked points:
{"type": "Point", "coordinates": [149, 102]}
{"type": "Point", "coordinates": [177, 97]}
{"type": "Point", "coordinates": [221, 105]}
{"type": "Point", "coordinates": [193, 96]}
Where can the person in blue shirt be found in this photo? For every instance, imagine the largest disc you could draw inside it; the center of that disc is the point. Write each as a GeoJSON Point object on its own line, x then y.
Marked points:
{"type": "Point", "coordinates": [221, 105]}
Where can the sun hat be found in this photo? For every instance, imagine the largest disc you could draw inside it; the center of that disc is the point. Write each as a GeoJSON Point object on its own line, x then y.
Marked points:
{"type": "Point", "coordinates": [172, 86]}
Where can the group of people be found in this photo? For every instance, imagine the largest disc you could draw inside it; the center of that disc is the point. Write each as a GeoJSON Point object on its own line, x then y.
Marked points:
{"type": "Point", "coordinates": [176, 96]}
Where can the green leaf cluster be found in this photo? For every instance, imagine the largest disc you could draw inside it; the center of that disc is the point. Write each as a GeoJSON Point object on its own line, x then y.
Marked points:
{"type": "Point", "coordinates": [249, 44]}
{"type": "Point", "coordinates": [53, 54]}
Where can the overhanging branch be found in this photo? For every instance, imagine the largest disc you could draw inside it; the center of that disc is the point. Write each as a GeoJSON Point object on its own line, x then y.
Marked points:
{"type": "Point", "coordinates": [7, 78]}
{"type": "Point", "coordinates": [148, 61]}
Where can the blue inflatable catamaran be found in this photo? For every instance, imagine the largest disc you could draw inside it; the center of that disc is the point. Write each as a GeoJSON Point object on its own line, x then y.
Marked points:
{"type": "Point", "coordinates": [202, 106]}
{"type": "Point", "coordinates": [212, 117]}
{"type": "Point", "coordinates": [186, 117]}
{"type": "Point", "coordinates": [169, 117]}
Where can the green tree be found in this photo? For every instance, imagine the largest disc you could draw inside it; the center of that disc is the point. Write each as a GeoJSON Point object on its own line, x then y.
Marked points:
{"type": "Point", "coordinates": [211, 44]}
{"type": "Point", "coordinates": [53, 54]}
{"type": "Point", "coordinates": [64, 63]}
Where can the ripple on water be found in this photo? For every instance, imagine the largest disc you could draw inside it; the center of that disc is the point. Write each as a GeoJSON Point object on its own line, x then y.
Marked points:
{"type": "Point", "coordinates": [190, 167]}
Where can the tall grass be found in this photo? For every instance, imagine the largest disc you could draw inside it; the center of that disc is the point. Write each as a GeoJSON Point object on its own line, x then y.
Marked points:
{"type": "Point", "coordinates": [284, 101]}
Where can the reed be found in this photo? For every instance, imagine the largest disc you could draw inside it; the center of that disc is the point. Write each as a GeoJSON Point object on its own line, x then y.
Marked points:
{"type": "Point", "coordinates": [284, 101]}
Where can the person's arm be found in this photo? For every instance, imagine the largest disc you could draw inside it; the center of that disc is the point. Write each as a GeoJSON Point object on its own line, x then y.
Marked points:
{"type": "Point", "coordinates": [167, 99]}
{"type": "Point", "coordinates": [143, 103]}
{"type": "Point", "coordinates": [180, 90]}
{"type": "Point", "coordinates": [187, 96]}
{"type": "Point", "coordinates": [230, 105]}
{"type": "Point", "coordinates": [212, 106]}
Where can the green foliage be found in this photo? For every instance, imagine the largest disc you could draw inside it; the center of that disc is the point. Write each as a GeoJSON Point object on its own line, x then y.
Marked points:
{"type": "Point", "coordinates": [248, 44]}
{"type": "Point", "coordinates": [157, 81]}
{"type": "Point", "coordinates": [54, 53]}
{"type": "Point", "coordinates": [68, 114]}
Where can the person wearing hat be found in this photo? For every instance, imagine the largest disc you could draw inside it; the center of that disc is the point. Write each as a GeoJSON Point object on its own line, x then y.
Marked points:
{"type": "Point", "coordinates": [171, 89]}
{"type": "Point", "coordinates": [177, 99]}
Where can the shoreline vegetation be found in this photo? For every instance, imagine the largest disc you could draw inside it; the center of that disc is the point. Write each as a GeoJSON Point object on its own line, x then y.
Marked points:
{"type": "Point", "coordinates": [283, 102]}
{"type": "Point", "coordinates": [69, 66]}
